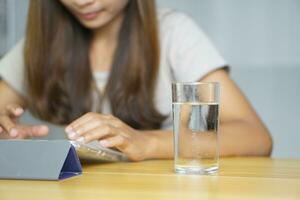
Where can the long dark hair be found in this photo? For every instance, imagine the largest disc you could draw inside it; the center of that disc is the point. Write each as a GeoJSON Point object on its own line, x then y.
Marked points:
{"type": "Point", "coordinates": [58, 76]}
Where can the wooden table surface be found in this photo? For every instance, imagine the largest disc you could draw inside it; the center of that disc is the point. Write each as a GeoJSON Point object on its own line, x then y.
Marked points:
{"type": "Point", "coordinates": [239, 178]}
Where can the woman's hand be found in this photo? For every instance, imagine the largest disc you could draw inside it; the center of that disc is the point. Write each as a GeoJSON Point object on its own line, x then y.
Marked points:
{"type": "Point", "coordinates": [110, 132]}
{"type": "Point", "coordinates": [10, 129]}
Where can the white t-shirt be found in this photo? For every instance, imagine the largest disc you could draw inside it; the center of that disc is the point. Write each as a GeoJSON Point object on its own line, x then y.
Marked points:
{"type": "Point", "coordinates": [186, 55]}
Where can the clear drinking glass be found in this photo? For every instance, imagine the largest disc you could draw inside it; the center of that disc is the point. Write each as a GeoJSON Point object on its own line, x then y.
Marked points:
{"type": "Point", "coordinates": [195, 126]}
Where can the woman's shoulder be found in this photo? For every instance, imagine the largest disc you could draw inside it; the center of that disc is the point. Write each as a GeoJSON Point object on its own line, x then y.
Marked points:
{"type": "Point", "coordinates": [176, 24]}
{"type": "Point", "coordinates": [168, 17]}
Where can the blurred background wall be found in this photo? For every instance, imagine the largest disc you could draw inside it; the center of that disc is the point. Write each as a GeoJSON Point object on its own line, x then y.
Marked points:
{"type": "Point", "coordinates": [260, 39]}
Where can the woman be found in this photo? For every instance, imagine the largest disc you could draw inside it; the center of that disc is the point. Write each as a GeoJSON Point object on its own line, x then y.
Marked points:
{"type": "Point", "coordinates": [104, 69]}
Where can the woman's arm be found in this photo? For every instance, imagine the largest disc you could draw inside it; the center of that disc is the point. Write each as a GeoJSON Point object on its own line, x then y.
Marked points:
{"type": "Point", "coordinates": [241, 131]}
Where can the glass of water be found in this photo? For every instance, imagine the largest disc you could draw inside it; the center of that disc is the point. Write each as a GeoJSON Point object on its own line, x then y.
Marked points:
{"type": "Point", "coordinates": [195, 126]}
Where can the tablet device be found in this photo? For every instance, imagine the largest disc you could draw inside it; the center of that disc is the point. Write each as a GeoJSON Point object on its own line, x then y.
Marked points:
{"type": "Point", "coordinates": [92, 151]}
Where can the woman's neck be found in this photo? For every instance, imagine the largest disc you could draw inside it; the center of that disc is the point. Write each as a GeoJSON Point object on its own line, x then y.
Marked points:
{"type": "Point", "coordinates": [109, 32]}
{"type": "Point", "coordinates": [104, 44]}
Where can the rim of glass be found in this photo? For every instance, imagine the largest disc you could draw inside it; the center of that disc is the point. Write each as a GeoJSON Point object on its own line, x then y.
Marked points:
{"type": "Point", "coordinates": [195, 83]}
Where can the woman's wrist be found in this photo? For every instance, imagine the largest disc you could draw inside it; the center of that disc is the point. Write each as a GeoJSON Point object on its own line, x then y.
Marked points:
{"type": "Point", "coordinates": [159, 144]}
{"type": "Point", "coordinates": [150, 147]}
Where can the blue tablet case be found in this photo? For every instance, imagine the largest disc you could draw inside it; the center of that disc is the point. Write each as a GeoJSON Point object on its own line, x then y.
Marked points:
{"type": "Point", "coordinates": [38, 159]}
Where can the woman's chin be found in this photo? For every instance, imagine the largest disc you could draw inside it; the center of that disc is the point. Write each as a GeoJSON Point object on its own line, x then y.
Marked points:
{"type": "Point", "coordinates": [93, 24]}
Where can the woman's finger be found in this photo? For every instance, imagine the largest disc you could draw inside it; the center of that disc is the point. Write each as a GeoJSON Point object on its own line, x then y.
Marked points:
{"type": "Point", "coordinates": [78, 122]}
{"type": "Point", "coordinates": [8, 125]}
{"type": "Point", "coordinates": [117, 141]}
{"type": "Point", "coordinates": [39, 130]}
{"type": "Point", "coordinates": [1, 129]}
{"type": "Point", "coordinates": [88, 122]}
{"type": "Point", "coordinates": [113, 121]}
{"type": "Point", "coordinates": [26, 131]}
{"type": "Point", "coordinates": [123, 144]}
{"type": "Point", "coordinates": [84, 128]}
{"type": "Point", "coordinates": [97, 134]}
{"type": "Point", "coordinates": [13, 110]}
{"type": "Point", "coordinates": [90, 116]}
